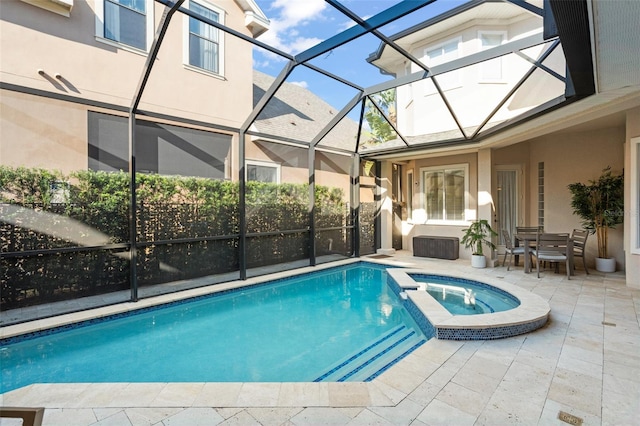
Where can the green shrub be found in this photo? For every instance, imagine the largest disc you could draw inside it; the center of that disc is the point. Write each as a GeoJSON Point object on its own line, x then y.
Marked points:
{"type": "Point", "coordinates": [95, 211]}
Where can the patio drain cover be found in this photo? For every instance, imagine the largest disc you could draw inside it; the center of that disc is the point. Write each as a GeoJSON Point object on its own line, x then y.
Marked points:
{"type": "Point", "coordinates": [570, 418]}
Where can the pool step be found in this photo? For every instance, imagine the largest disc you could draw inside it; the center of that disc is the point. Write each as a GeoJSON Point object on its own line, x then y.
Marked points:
{"type": "Point", "coordinates": [375, 358]}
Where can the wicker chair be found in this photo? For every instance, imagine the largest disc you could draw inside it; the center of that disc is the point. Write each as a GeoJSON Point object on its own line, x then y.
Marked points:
{"type": "Point", "coordinates": [579, 237]}
{"type": "Point", "coordinates": [509, 248]}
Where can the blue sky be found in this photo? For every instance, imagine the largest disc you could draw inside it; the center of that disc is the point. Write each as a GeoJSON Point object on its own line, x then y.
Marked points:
{"type": "Point", "coordinates": [297, 25]}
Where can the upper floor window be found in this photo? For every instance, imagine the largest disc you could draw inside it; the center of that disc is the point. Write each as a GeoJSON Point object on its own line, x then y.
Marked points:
{"type": "Point", "coordinates": [440, 54]}
{"type": "Point", "coordinates": [126, 22]}
{"type": "Point", "coordinates": [204, 41]}
{"type": "Point", "coordinates": [491, 70]}
{"type": "Point", "coordinates": [444, 192]}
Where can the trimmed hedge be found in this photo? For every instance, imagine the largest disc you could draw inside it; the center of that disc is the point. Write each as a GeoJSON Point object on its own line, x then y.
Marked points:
{"type": "Point", "coordinates": [43, 209]}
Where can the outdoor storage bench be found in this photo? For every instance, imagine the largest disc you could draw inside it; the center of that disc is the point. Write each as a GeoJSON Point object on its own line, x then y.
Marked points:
{"type": "Point", "coordinates": [436, 247]}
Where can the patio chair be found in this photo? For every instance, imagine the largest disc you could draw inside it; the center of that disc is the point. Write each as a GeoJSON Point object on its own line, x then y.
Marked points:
{"type": "Point", "coordinates": [529, 229]}
{"type": "Point", "coordinates": [579, 237]}
{"type": "Point", "coordinates": [509, 248]}
{"type": "Point", "coordinates": [553, 248]}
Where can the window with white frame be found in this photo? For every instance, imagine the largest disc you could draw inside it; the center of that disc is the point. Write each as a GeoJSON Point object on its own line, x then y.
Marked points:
{"type": "Point", "coordinates": [440, 54]}
{"type": "Point", "coordinates": [125, 22]}
{"type": "Point", "coordinates": [204, 42]}
{"type": "Point", "coordinates": [491, 71]}
{"type": "Point", "coordinates": [262, 171]}
{"type": "Point", "coordinates": [444, 192]}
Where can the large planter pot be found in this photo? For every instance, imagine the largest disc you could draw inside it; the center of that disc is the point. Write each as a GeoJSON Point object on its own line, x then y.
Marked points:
{"type": "Point", "coordinates": [478, 261]}
{"type": "Point", "coordinates": [605, 265]}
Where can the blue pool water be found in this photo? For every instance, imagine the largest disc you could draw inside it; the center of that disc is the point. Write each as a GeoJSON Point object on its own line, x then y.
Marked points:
{"type": "Point", "coordinates": [466, 297]}
{"type": "Point", "coordinates": [340, 324]}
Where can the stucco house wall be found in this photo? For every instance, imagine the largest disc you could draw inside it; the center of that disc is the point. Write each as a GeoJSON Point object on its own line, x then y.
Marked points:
{"type": "Point", "coordinates": [41, 132]}
{"type": "Point", "coordinates": [575, 157]}
{"type": "Point", "coordinates": [32, 133]}
{"type": "Point", "coordinates": [568, 157]}
{"type": "Point", "coordinates": [93, 69]}
{"type": "Point", "coordinates": [416, 226]}
{"type": "Point", "coordinates": [62, 55]}
{"type": "Point", "coordinates": [176, 89]}
{"type": "Point", "coordinates": [332, 170]}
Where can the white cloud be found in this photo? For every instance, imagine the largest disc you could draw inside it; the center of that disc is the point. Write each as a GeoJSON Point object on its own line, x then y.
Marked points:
{"type": "Point", "coordinates": [302, 84]}
{"type": "Point", "coordinates": [286, 17]}
{"type": "Point", "coordinates": [295, 12]}
{"type": "Point", "coordinates": [260, 64]}
{"type": "Point", "coordinates": [301, 43]}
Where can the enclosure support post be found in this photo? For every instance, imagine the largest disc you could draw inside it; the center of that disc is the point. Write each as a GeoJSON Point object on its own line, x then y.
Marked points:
{"type": "Point", "coordinates": [386, 208]}
{"type": "Point", "coordinates": [242, 218]}
{"type": "Point", "coordinates": [378, 202]}
{"type": "Point", "coordinates": [312, 206]}
{"type": "Point", "coordinates": [355, 205]}
{"type": "Point", "coordinates": [133, 250]}
{"type": "Point", "coordinates": [486, 207]}
{"type": "Point", "coordinates": [144, 78]}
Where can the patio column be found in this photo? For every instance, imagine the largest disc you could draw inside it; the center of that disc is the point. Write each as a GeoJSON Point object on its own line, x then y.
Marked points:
{"type": "Point", "coordinates": [486, 207]}
{"type": "Point", "coordinates": [386, 208]}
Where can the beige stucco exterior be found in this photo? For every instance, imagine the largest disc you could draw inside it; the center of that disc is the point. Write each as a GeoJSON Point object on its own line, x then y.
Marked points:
{"type": "Point", "coordinates": [575, 157]}
{"type": "Point", "coordinates": [568, 156]}
{"type": "Point", "coordinates": [417, 225]}
{"type": "Point", "coordinates": [41, 132]}
{"type": "Point", "coordinates": [64, 56]}
{"type": "Point", "coordinates": [94, 68]}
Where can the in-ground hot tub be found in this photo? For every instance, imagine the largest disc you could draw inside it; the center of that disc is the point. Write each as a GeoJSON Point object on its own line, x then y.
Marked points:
{"type": "Point", "coordinates": [529, 311]}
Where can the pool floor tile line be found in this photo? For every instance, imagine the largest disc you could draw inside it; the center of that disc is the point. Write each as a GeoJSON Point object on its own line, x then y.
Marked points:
{"type": "Point", "coordinates": [575, 364]}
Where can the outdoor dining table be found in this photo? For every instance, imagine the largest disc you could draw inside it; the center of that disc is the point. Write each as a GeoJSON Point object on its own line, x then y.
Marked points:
{"type": "Point", "coordinates": [527, 239]}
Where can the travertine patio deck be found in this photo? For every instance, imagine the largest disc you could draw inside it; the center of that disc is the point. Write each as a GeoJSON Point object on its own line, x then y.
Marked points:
{"type": "Point", "coordinates": [584, 362]}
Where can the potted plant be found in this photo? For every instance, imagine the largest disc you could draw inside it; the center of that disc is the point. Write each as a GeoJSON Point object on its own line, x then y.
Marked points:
{"type": "Point", "coordinates": [474, 237]}
{"type": "Point", "coordinates": [600, 205]}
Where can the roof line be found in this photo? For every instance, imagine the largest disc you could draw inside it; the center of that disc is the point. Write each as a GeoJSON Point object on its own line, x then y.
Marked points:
{"type": "Point", "coordinates": [536, 112]}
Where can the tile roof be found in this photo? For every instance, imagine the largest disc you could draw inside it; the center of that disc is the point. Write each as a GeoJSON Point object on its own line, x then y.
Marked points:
{"type": "Point", "coordinates": [298, 114]}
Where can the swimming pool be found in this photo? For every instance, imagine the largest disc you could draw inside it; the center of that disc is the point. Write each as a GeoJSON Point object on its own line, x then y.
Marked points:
{"type": "Point", "coordinates": [340, 324]}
